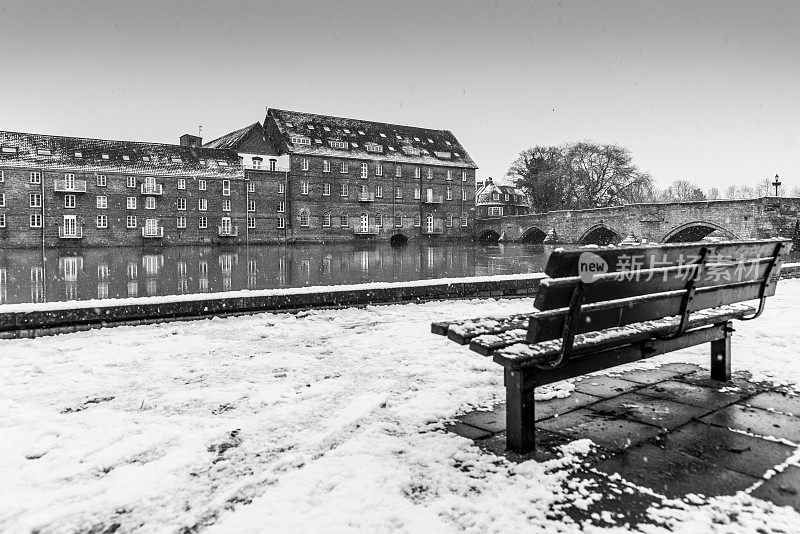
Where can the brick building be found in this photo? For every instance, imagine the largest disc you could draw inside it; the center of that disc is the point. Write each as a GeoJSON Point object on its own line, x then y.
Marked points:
{"type": "Point", "coordinates": [494, 200]}
{"type": "Point", "coordinates": [348, 179]}
{"type": "Point", "coordinates": [57, 191]}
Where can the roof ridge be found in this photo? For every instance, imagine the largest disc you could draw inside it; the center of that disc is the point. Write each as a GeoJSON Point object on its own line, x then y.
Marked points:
{"type": "Point", "coordinates": [31, 134]}
{"type": "Point", "coordinates": [360, 120]}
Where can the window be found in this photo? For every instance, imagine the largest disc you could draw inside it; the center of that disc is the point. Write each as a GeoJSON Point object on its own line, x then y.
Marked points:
{"type": "Point", "coordinates": [506, 198]}
{"type": "Point", "coordinates": [10, 150]}
{"type": "Point", "coordinates": [464, 195]}
{"type": "Point", "coordinates": [398, 192]}
{"type": "Point", "coordinates": [417, 220]}
{"type": "Point", "coordinates": [181, 204]}
{"type": "Point", "coordinates": [378, 191]}
{"type": "Point", "coordinates": [226, 188]}
{"type": "Point", "coordinates": [449, 194]}
{"type": "Point", "coordinates": [463, 219]}
{"type": "Point", "coordinates": [2, 220]}
{"type": "Point", "coordinates": [281, 222]}
{"type": "Point", "coordinates": [398, 220]}
{"type": "Point", "coordinates": [364, 171]}
{"type": "Point", "coordinates": [226, 205]}
{"type": "Point", "coordinates": [398, 171]}
{"type": "Point", "coordinates": [273, 164]}
{"type": "Point", "coordinates": [449, 174]}
{"type": "Point", "coordinates": [281, 206]}
{"type": "Point", "coordinates": [251, 205]}
{"type": "Point", "coordinates": [181, 183]}
{"type": "Point", "coordinates": [464, 176]}
{"type": "Point", "coordinates": [280, 188]}
{"type": "Point", "coordinates": [2, 176]}
{"type": "Point", "coordinates": [495, 196]}
{"type": "Point", "coordinates": [379, 220]}
{"type": "Point", "coordinates": [202, 222]}
{"type": "Point", "coordinates": [304, 218]}
{"type": "Point", "coordinates": [181, 222]}
{"type": "Point", "coordinates": [345, 191]}
{"type": "Point", "coordinates": [2, 200]}
{"type": "Point", "coordinates": [326, 220]}
{"type": "Point", "coordinates": [297, 140]}
{"type": "Point", "coordinates": [257, 162]}
{"type": "Point", "coordinates": [130, 221]}
{"type": "Point", "coordinates": [150, 203]}
{"type": "Point", "coordinates": [201, 185]}
{"type": "Point", "coordinates": [303, 188]}
{"type": "Point", "coordinates": [343, 168]}
{"type": "Point", "coordinates": [495, 211]}
{"type": "Point", "coordinates": [69, 201]}
{"type": "Point", "coordinates": [131, 181]}
{"type": "Point", "coordinates": [251, 187]}
{"type": "Point", "coordinates": [326, 166]}
{"type": "Point", "coordinates": [251, 222]}
{"type": "Point", "coordinates": [344, 220]}
{"type": "Point", "coordinates": [374, 147]}
{"type": "Point", "coordinates": [304, 164]}
{"type": "Point", "coordinates": [430, 174]}
{"type": "Point", "coordinates": [35, 220]}
{"type": "Point", "coordinates": [449, 221]}
{"type": "Point", "coordinates": [202, 204]}
{"type": "Point", "coordinates": [417, 172]}
{"type": "Point", "coordinates": [378, 169]}
{"type": "Point", "coordinates": [100, 180]}
{"type": "Point", "coordinates": [416, 193]}
{"type": "Point", "coordinates": [338, 144]}
{"type": "Point", "coordinates": [35, 200]}
{"type": "Point", "coordinates": [101, 202]}
{"type": "Point", "coordinates": [130, 202]}
{"type": "Point", "coordinates": [326, 189]}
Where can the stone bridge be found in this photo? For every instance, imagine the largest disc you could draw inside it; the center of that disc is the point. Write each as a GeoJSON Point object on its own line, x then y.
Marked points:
{"type": "Point", "coordinates": [662, 223]}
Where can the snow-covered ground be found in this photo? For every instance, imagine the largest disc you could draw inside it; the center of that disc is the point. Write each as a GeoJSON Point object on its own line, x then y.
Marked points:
{"type": "Point", "coordinates": [321, 421]}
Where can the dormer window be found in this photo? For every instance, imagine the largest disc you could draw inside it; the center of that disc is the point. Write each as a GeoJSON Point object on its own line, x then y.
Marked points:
{"type": "Point", "coordinates": [104, 156]}
{"type": "Point", "coordinates": [448, 143]}
{"type": "Point", "coordinates": [174, 160]}
{"type": "Point", "coordinates": [9, 150]}
{"type": "Point", "coordinates": [126, 157]}
{"type": "Point", "coordinates": [440, 154]}
{"type": "Point", "coordinates": [338, 144]}
{"type": "Point", "coordinates": [145, 158]}
{"type": "Point", "coordinates": [416, 139]}
{"type": "Point", "coordinates": [326, 128]}
{"type": "Point", "coordinates": [318, 141]}
{"type": "Point", "coordinates": [44, 152]}
{"type": "Point", "coordinates": [78, 154]}
{"type": "Point", "coordinates": [298, 140]}
{"type": "Point", "coordinates": [222, 163]}
{"type": "Point", "coordinates": [346, 131]}
{"type": "Point", "coordinates": [391, 148]}
{"type": "Point", "coordinates": [430, 140]}
{"type": "Point", "coordinates": [399, 137]}
{"type": "Point", "coordinates": [361, 132]}
{"type": "Point", "coordinates": [383, 135]}
{"type": "Point", "coordinates": [289, 125]}
{"type": "Point", "coordinates": [373, 147]}
{"type": "Point", "coordinates": [310, 126]}
{"type": "Point", "coordinates": [354, 145]}
{"type": "Point", "coordinates": [411, 151]}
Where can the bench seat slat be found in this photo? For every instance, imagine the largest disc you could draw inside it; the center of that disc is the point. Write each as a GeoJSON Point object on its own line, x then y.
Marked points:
{"type": "Point", "coordinates": [523, 354]}
{"type": "Point", "coordinates": [464, 331]}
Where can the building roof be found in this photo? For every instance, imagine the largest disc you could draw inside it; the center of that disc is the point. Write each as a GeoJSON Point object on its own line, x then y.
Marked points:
{"type": "Point", "coordinates": [484, 195]}
{"type": "Point", "coordinates": [104, 155]}
{"type": "Point", "coordinates": [322, 135]}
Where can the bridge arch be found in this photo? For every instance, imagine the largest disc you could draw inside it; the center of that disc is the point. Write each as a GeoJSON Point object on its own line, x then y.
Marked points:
{"type": "Point", "coordinates": [488, 236]}
{"type": "Point", "coordinates": [533, 235]}
{"type": "Point", "coordinates": [599, 234]}
{"type": "Point", "coordinates": [695, 231]}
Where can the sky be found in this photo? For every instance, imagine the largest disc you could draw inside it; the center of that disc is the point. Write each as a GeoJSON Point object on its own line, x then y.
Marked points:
{"type": "Point", "coordinates": [703, 91]}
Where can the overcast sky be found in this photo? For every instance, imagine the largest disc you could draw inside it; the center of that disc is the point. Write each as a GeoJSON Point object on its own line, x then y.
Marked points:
{"type": "Point", "coordinates": [704, 91]}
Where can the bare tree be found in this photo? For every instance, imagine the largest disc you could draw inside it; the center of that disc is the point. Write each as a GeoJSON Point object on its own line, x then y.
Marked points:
{"type": "Point", "coordinates": [682, 191]}
{"type": "Point", "coordinates": [713, 194]}
{"type": "Point", "coordinates": [796, 191]}
{"type": "Point", "coordinates": [745, 191]}
{"type": "Point", "coordinates": [730, 192]}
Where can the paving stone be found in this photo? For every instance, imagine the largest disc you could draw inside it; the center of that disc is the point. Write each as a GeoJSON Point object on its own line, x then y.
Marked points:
{"type": "Point", "coordinates": [608, 432]}
{"type": "Point", "coordinates": [779, 402]}
{"type": "Point", "coordinates": [783, 489]}
{"type": "Point", "coordinates": [547, 446]}
{"type": "Point", "coordinates": [739, 452]}
{"type": "Point", "coordinates": [674, 474]}
{"type": "Point", "coordinates": [604, 386]}
{"type": "Point", "coordinates": [489, 420]}
{"type": "Point", "coordinates": [692, 394]}
{"type": "Point", "coordinates": [663, 413]}
{"type": "Point", "coordinates": [757, 421]}
{"type": "Point", "coordinates": [467, 431]}
{"type": "Point", "coordinates": [549, 408]}
{"type": "Point", "coordinates": [682, 368]}
{"type": "Point", "coordinates": [649, 376]}
{"type": "Point", "coordinates": [745, 385]}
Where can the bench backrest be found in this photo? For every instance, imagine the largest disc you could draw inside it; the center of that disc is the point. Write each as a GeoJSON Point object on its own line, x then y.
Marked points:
{"type": "Point", "coordinates": [592, 289]}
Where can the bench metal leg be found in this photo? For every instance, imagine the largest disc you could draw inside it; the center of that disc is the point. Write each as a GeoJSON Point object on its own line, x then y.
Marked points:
{"type": "Point", "coordinates": [520, 406]}
{"type": "Point", "coordinates": [721, 355]}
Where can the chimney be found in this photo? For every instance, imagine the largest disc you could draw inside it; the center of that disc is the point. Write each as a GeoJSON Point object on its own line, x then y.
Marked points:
{"type": "Point", "coordinates": [191, 140]}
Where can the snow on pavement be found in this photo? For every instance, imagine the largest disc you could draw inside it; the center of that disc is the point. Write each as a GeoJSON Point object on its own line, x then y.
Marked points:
{"type": "Point", "coordinates": [327, 420]}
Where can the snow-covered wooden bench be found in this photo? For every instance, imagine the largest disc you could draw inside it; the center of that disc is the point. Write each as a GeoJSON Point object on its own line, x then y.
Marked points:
{"type": "Point", "coordinates": [603, 307]}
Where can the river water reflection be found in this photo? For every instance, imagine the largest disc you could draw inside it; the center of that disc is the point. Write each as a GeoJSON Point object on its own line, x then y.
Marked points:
{"type": "Point", "coordinates": [113, 272]}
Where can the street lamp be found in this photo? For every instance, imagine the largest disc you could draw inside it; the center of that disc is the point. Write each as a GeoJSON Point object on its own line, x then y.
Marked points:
{"type": "Point", "coordinates": [777, 184]}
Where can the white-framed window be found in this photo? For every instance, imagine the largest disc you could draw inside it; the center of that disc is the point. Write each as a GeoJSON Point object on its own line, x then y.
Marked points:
{"type": "Point", "coordinates": [257, 162]}
{"type": "Point", "coordinates": [398, 171]}
{"type": "Point", "coordinates": [430, 174]}
{"type": "Point", "coordinates": [130, 221]}
{"type": "Point", "coordinates": [449, 174]}
{"type": "Point", "coordinates": [36, 177]}
{"type": "Point", "coordinates": [495, 211]}
{"type": "Point", "coordinates": [281, 222]}
{"type": "Point", "coordinates": [304, 218]}
{"type": "Point", "coordinates": [344, 190]}
{"type": "Point", "coordinates": [464, 195]}
{"type": "Point", "coordinates": [181, 221]}
{"type": "Point", "coordinates": [364, 170]}
{"type": "Point", "coordinates": [150, 203]}
{"type": "Point", "coordinates": [464, 219]}
{"type": "Point", "coordinates": [297, 140]}
{"type": "Point", "coordinates": [326, 166]}
{"type": "Point", "coordinates": [101, 180]}
{"type": "Point", "coordinates": [338, 144]}
{"type": "Point", "coordinates": [449, 194]}
{"type": "Point", "coordinates": [343, 167]}
{"type": "Point", "coordinates": [251, 187]}
{"type": "Point", "coordinates": [448, 221]}
{"type": "Point", "coordinates": [69, 201]}
{"type": "Point", "coordinates": [326, 220]}
{"type": "Point", "coordinates": [379, 169]}
{"type": "Point", "coordinates": [326, 189]}
{"type": "Point", "coordinates": [280, 188]}
{"type": "Point", "coordinates": [35, 200]}
{"type": "Point", "coordinates": [2, 220]}
{"type": "Point", "coordinates": [417, 220]}
{"type": "Point", "coordinates": [344, 219]}
{"type": "Point", "coordinates": [251, 222]}
{"type": "Point", "coordinates": [506, 198]}
{"type": "Point", "coordinates": [226, 205]}
{"type": "Point", "coordinates": [495, 196]}
{"type": "Point", "coordinates": [201, 185]}
{"type": "Point", "coordinates": [398, 220]}
{"type": "Point", "coordinates": [464, 175]}
{"type": "Point", "coordinates": [35, 220]}
{"type": "Point", "coordinates": [416, 193]}
{"type": "Point", "coordinates": [417, 172]}
{"type": "Point", "coordinates": [101, 201]}
{"type": "Point", "coordinates": [304, 164]}
{"type": "Point", "coordinates": [379, 220]}
{"type": "Point", "coordinates": [181, 204]}
{"type": "Point", "coordinates": [273, 163]}
{"type": "Point", "coordinates": [281, 206]}
{"type": "Point", "coordinates": [131, 181]}
{"type": "Point", "coordinates": [398, 192]}
{"type": "Point", "coordinates": [251, 205]}
{"type": "Point", "coordinates": [202, 204]}
{"type": "Point", "coordinates": [2, 200]}
{"type": "Point", "coordinates": [2, 176]}
{"type": "Point", "coordinates": [182, 183]}
{"type": "Point", "coordinates": [202, 222]}
{"type": "Point", "coordinates": [378, 191]}
{"type": "Point", "coordinates": [130, 203]}
{"type": "Point", "coordinates": [303, 188]}
{"type": "Point", "coordinates": [226, 188]}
